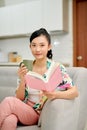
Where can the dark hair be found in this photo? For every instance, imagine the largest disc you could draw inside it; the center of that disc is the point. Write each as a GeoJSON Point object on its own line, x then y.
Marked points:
{"type": "Point", "coordinates": [44, 32]}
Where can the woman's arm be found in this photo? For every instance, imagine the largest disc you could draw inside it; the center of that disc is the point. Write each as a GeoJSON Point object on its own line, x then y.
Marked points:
{"type": "Point", "coordinates": [71, 90]}
{"type": "Point", "coordinates": [20, 92]}
{"type": "Point", "coordinates": [70, 93]}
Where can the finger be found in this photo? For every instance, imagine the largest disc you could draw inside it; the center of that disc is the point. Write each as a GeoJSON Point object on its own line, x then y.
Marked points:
{"type": "Point", "coordinates": [46, 92]}
{"type": "Point", "coordinates": [23, 67]}
{"type": "Point", "coordinates": [22, 71]}
{"type": "Point", "coordinates": [20, 64]}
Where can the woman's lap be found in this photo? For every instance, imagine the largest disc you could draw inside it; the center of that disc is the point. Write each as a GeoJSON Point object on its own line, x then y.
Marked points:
{"type": "Point", "coordinates": [25, 113]}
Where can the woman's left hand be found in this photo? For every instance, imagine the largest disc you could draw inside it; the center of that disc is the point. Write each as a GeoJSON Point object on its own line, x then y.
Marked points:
{"type": "Point", "coordinates": [50, 95]}
{"type": "Point", "coordinates": [70, 93]}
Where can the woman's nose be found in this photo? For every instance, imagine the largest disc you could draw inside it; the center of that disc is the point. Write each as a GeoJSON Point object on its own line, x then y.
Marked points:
{"type": "Point", "coordinates": [38, 48]}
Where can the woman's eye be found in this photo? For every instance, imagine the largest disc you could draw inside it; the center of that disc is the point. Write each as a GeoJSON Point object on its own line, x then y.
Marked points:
{"type": "Point", "coordinates": [33, 45]}
{"type": "Point", "coordinates": [42, 45]}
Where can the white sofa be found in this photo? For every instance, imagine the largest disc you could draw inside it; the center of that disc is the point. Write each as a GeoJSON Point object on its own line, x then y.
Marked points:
{"type": "Point", "coordinates": [58, 114]}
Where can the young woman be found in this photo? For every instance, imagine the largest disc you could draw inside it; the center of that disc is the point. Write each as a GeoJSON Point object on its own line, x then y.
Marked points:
{"type": "Point", "coordinates": [28, 103]}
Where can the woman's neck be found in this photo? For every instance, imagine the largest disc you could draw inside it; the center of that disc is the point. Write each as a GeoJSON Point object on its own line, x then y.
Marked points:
{"type": "Point", "coordinates": [40, 66]}
{"type": "Point", "coordinates": [41, 62]}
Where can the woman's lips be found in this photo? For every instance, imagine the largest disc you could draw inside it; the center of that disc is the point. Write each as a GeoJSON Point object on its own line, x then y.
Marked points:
{"type": "Point", "coordinates": [38, 54]}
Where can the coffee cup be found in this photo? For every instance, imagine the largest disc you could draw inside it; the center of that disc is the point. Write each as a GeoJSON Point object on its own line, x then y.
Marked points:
{"type": "Point", "coordinates": [28, 64]}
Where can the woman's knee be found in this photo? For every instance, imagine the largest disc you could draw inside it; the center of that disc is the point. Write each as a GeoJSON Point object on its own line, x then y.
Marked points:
{"type": "Point", "coordinates": [8, 99]}
{"type": "Point", "coordinates": [11, 120]}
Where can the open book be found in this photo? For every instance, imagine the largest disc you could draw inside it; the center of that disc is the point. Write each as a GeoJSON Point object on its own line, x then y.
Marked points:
{"type": "Point", "coordinates": [49, 83]}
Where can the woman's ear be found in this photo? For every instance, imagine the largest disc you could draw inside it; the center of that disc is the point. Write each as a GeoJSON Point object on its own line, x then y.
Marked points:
{"type": "Point", "coordinates": [49, 47]}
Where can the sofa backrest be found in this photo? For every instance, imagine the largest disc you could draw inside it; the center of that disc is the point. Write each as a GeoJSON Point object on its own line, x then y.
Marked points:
{"type": "Point", "coordinates": [8, 81]}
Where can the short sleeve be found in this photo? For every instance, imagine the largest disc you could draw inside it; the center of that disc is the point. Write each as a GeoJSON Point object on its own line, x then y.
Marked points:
{"type": "Point", "coordinates": [65, 76]}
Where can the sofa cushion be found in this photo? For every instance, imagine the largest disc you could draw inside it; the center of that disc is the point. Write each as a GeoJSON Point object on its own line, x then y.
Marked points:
{"type": "Point", "coordinates": [33, 127]}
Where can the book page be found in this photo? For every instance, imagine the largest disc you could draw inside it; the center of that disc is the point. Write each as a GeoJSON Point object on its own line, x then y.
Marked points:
{"type": "Point", "coordinates": [48, 73]}
{"type": "Point", "coordinates": [39, 82]}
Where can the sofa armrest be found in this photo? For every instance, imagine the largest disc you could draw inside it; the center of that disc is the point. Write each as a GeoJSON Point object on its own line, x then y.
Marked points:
{"type": "Point", "coordinates": [60, 114]}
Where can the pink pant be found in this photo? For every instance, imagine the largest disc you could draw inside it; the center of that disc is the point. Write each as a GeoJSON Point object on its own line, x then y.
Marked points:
{"type": "Point", "coordinates": [13, 110]}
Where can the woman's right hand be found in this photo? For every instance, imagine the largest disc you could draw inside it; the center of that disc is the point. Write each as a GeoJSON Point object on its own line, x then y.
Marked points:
{"type": "Point", "coordinates": [20, 93]}
{"type": "Point", "coordinates": [22, 71]}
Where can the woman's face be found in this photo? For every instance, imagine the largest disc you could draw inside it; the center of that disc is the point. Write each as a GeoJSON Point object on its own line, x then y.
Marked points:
{"type": "Point", "coordinates": [39, 47]}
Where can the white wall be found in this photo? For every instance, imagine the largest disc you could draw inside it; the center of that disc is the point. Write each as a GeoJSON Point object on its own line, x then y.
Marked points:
{"type": "Point", "coordinates": [63, 52]}
{"type": "Point", "coordinates": [11, 2]}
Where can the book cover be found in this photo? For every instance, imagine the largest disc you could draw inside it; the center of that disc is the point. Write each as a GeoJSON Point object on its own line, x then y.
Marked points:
{"type": "Point", "coordinates": [52, 80]}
